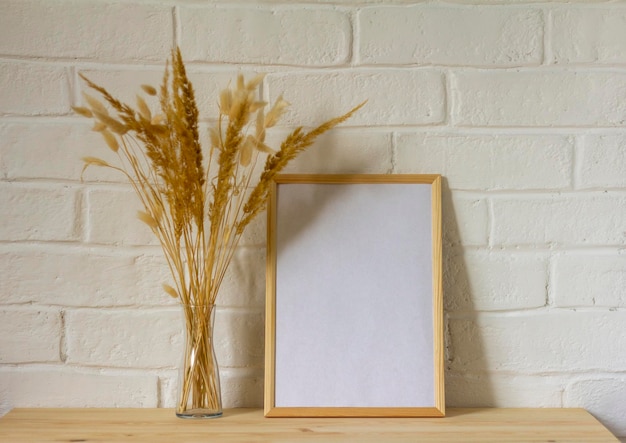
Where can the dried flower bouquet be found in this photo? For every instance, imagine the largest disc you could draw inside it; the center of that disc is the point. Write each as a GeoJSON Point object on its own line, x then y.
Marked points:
{"type": "Point", "coordinates": [197, 203]}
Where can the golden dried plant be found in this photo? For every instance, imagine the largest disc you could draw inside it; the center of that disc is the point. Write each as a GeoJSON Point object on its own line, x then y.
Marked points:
{"type": "Point", "coordinates": [197, 202]}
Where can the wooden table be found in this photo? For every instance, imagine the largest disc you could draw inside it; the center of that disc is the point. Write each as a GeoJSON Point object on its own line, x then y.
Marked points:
{"type": "Point", "coordinates": [249, 425]}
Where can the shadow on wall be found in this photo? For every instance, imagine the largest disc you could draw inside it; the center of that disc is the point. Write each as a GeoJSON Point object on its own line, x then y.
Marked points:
{"type": "Point", "coordinates": [462, 389]}
{"type": "Point", "coordinates": [466, 382]}
{"type": "Point", "coordinates": [244, 288]}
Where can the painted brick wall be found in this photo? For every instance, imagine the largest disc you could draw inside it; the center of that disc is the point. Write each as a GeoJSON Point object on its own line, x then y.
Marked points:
{"type": "Point", "coordinates": [520, 105]}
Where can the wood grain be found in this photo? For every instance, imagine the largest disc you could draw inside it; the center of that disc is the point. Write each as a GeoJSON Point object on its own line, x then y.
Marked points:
{"type": "Point", "coordinates": [249, 425]}
{"type": "Point", "coordinates": [438, 324]}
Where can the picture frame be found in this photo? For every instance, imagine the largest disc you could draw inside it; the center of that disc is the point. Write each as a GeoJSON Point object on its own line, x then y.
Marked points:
{"type": "Point", "coordinates": [354, 308]}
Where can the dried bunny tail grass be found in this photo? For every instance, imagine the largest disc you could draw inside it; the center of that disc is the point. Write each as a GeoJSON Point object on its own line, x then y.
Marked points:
{"type": "Point", "coordinates": [85, 112]}
{"type": "Point", "coordinates": [226, 101]}
{"type": "Point", "coordinates": [255, 82]}
{"type": "Point", "coordinates": [98, 126]}
{"type": "Point", "coordinates": [128, 120]}
{"type": "Point", "coordinates": [228, 160]}
{"type": "Point", "coordinates": [114, 125]}
{"type": "Point", "coordinates": [295, 143]}
{"type": "Point", "coordinates": [148, 219]}
{"type": "Point", "coordinates": [274, 114]}
{"type": "Point", "coordinates": [149, 90]}
{"type": "Point", "coordinates": [143, 108]}
{"type": "Point", "coordinates": [236, 158]}
{"type": "Point", "coordinates": [95, 104]}
{"type": "Point", "coordinates": [110, 140]}
{"type": "Point", "coordinates": [170, 290]}
{"type": "Point", "coordinates": [95, 161]}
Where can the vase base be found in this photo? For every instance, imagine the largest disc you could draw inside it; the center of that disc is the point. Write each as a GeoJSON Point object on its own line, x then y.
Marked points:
{"type": "Point", "coordinates": [199, 413]}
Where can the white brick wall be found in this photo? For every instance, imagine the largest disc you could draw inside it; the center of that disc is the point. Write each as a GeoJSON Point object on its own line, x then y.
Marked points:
{"type": "Point", "coordinates": [30, 335]}
{"type": "Point", "coordinates": [520, 105]}
{"type": "Point", "coordinates": [443, 35]}
{"type": "Point", "coordinates": [35, 211]}
{"type": "Point", "coordinates": [66, 30]}
{"type": "Point", "coordinates": [266, 35]}
{"type": "Point", "coordinates": [31, 88]}
{"type": "Point", "coordinates": [529, 342]}
{"type": "Point", "coordinates": [72, 387]}
{"type": "Point", "coordinates": [584, 35]}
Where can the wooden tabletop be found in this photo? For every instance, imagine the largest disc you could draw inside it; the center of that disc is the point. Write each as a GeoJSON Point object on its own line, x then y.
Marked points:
{"type": "Point", "coordinates": [249, 425]}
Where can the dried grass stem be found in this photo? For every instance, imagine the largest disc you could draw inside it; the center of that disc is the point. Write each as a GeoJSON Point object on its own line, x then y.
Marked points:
{"type": "Point", "coordinates": [197, 215]}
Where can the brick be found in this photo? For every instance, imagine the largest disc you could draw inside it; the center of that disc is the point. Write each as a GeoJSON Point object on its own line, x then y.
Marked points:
{"type": "Point", "coordinates": [67, 29]}
{"type": "Point", "coordinates": [49, 150]}
{"type": "Point", "coordinates": [82, 277]}
{"type": "Point", "coordinates": [33, 89]}
{"type": "Point", "coordinates": [413, 154]}
{"type": "Point", "coordinates": [51, 387]}
{"type": "Point", "coordinates": [603, 162]}
{"type": "Point", "coordinates": [399, 97]}
{"type": "Point", "coordinates": [538, 98]}
{"type": "Point", "coordinates": [465, 219]}
{"type": "Point", "coordinates": [603, 398]}
{"type": "Point", "coordinates": [344, 151]}
{"type": "Point", "coordinates": [151, 272]}
{"type": "Point", "coordinates": [478, 36]}
{"type": "Point", "coordinates": [242, 388]}
{"type": "Point", "coordinates": [590, 279]}
{"type": "Point", "coordinates": [537, 342]}
{"type": "Point", "coordinates": [265, 35]}
{"type": "Point", "coordinates": [482, 280]}
{"type": "Point", "coordinates": [38, 212]}
{"type": "Point", "coordinates": [589, 219]}
{"type": "Point", "coordinates": [239, 337]}
{"type": "Point", "coordinates": [489, 162]}
{"type": "Point", "coordinates": [124, 338]}
{"type": "Point", "coordinates": [29, 335]}
{"type": "Point", "coordinates": [503, 391]}
{"type": "Point", "coordinates": [112, 218]}
{"type": "Point", "coordinates": [585, 35]}
{"type": "Point", "coordinates": [168, 387]}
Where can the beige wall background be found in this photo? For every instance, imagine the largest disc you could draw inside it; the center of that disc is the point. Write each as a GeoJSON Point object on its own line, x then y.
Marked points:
{"type": "Point", "coordinates": [520, 105]}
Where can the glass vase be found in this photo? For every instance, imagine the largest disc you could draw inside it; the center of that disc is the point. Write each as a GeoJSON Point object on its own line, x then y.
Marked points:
{"type": "Point", "coordinates": [199, 392]}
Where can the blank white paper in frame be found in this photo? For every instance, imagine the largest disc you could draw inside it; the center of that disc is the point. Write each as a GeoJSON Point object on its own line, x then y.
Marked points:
{"type": "Point", "coordinates": [354, 308]}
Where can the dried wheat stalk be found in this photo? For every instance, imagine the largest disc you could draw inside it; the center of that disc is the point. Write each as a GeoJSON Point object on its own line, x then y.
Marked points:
{"type": "Point", "coordinates": [197, 217]}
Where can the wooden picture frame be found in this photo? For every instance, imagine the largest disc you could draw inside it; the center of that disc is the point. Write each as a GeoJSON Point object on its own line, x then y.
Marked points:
{"type": "Point", "coordinates": [354, 310]}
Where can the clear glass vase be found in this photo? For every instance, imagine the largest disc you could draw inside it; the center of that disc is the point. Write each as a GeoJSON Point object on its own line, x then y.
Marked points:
{"type": "Point", "coordinates": [199, 392]}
